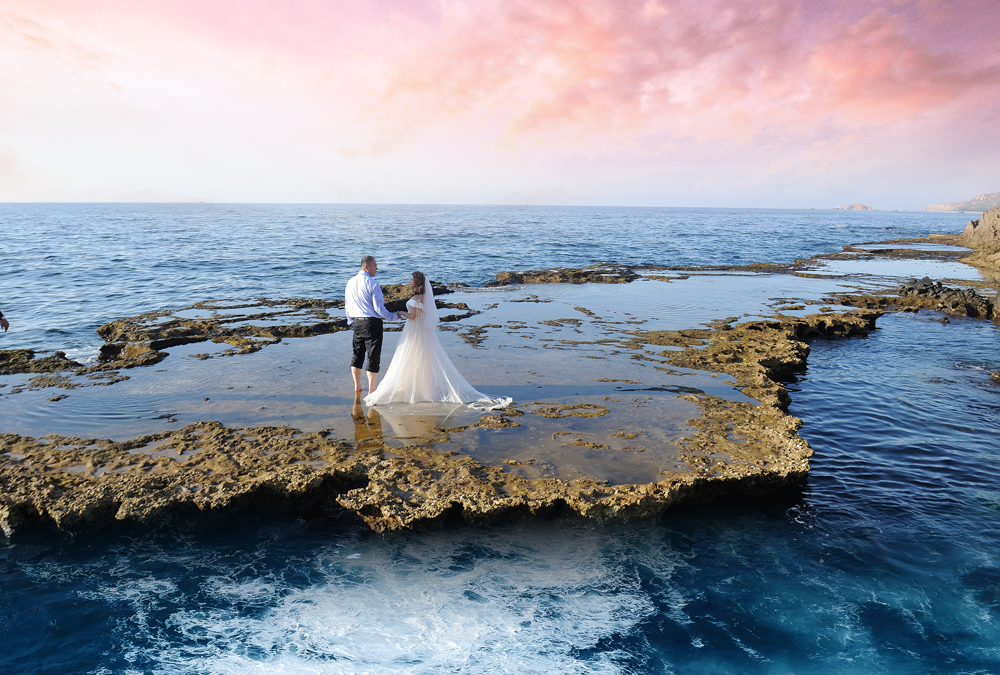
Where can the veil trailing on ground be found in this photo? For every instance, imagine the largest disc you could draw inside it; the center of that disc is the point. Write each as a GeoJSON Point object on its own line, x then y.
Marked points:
{"type": "Point", "coordinates": [420, 370]}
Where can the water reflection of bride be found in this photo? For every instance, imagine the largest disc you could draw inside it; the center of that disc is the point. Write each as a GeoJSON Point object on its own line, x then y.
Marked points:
{"type": "Point", "coordinates": [420, 369]}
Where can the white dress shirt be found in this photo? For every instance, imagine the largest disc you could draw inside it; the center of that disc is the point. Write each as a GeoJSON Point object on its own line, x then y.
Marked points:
{"type": "Point", "coordinates": [363, 298]}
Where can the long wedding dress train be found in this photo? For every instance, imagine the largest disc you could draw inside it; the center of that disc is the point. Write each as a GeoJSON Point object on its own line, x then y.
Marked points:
{"type": "Point", "coordinates": [420, 369]}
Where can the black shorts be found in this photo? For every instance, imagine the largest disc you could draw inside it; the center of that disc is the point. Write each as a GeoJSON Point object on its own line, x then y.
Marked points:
{"type": "Point", "coordinates": [367, 341]}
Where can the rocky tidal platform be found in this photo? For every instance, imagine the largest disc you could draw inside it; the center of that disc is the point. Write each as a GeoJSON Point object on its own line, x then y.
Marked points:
{"type": "Point", "coordinates": [627, 403]}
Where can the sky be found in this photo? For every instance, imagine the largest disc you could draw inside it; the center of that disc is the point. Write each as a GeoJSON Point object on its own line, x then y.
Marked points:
{"type": "Point", "coordinates": [717, 103]}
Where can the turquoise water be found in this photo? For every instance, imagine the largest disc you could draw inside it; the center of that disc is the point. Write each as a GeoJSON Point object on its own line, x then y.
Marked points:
{"type": "Point", "coordinates": [886, 561]}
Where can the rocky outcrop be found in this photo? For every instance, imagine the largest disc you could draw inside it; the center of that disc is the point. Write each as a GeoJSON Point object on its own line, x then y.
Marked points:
{"type": "Point", "coordinates": [852, 207]}
{"type": "Point", "coordinates": [27, 361]}
{"type": "Point", "coordinates": [76, 485]}
{"type": "Point", "coordinates": [738, 448]}
{"type": "Point", "coordinates": [605, 273]}
{"type": "Point", "coordinates": [759, 354]}
{"type": "Point", "coordinates": [984, 232]}
{"type": "Point", "coordinates": [917, 294]}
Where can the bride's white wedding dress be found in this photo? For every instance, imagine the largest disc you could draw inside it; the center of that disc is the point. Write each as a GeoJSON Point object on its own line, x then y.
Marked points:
{"type": "Point", "coordinates": [420, 369]}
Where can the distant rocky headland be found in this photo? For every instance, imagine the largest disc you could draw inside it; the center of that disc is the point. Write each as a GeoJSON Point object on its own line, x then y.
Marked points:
{"type": "Point", "coordinates": [852, 207]}
{"type": "Point", "coordinates": [981, 203]}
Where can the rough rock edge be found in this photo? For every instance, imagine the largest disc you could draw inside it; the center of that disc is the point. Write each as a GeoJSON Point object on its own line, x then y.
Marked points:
{"type": "Point", "coordinates": [604, 273]}
{"type": "Point", "coordinates": [983, 236]}
{"type": "Point", "coordinates": [217, 469]}
{"type": "Point", "coordinates": [918, 294]}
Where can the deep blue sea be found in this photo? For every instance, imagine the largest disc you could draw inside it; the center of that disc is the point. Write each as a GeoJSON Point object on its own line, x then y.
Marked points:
{"type": "Point", "coordinates": [888, 561]}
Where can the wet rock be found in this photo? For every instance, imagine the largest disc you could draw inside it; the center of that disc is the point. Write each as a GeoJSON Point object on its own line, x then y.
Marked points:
{"type": "Point", "coordinates": [559, 410]}
{"type": "Point", "coordinates": [400, 293]}
{"type": "Point", "coordinates": [246, 325]}
{"type": "Point", "coordinates": [855, 323]}
{"type": "Point", "coordinates": [758, 354]}
{"type": "Point", "coordinates": [476, 335]}
{"type": "Point", "coordinates": [995, 376]}
{"type": "Point", "coordinates": [916, 294]}
{"type": "Point", "coordinates": [604, 273]}
{"type": "Point", "coordinates": [14, 361]}
{"type": "Point", "coordinates": [496, 422]}
{"type": "Point", "coordinates": [82, 484]}
{"type": "Point", "coordinates": [579, 442]}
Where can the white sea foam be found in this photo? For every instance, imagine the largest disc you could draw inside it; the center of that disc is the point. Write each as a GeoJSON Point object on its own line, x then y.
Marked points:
{"type": "Point", "coordinates": [426, 607]}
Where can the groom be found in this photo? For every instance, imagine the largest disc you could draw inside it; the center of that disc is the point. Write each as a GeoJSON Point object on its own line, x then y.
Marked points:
{"type": "Point", "coordinates": [365, 311]}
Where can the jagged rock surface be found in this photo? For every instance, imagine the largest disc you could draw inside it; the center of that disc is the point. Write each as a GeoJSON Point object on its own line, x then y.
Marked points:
{"type": "Point", "coordinates": [927, 294]}
{"type": "Point", "coordinates": [985, 231]}
{"type": "Point", "coordinates": [604, 273]}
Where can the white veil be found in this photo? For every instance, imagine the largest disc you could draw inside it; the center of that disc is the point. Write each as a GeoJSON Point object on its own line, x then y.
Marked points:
{"type": "Point", "coordinates": [430, 307]}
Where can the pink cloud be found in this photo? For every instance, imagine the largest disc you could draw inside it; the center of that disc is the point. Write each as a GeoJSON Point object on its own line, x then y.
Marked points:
{"type": "Point", "coordinates": [716, 69]}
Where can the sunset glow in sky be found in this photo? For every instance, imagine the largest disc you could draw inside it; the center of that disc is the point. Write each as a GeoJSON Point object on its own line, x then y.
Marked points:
{"type": "Point", "coordinates": [777, 103]}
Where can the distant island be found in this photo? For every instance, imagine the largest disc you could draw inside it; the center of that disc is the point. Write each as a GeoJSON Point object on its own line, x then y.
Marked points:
{"type": "Point", "coordinates": [853, 207]}
{"type": "Point", "coordinates": [981, 204]}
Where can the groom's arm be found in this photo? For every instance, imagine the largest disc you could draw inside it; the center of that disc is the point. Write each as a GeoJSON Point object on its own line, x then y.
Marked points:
{"type": "Point", "coordinates": [379, 303]}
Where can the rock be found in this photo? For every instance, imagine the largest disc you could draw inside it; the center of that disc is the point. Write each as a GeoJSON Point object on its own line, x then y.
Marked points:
{"type": "Point", "coordinates": [605, 273]}
{"type": "Point", "coordinates": [246, 325]}
{"type": "Point", "coordinates": [995, 376]}
{"type": "Point", "coordinates": [916, 294]}
{"type": "Point", "coordinates": [24, 361]}
{"type": "Point", "coordinates": [985, 231]}
{"type": "Point", "coordinates": [760, 353]}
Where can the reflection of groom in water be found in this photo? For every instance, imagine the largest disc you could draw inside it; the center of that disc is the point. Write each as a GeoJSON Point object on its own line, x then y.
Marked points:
{"type": "Point", "coordinates": [365, 310]}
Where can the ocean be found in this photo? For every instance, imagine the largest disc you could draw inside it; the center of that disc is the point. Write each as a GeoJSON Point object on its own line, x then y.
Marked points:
{"type": "Point", "coordinates": [887, 560]}
{"type": "Point", "coordinates": [66, 269]}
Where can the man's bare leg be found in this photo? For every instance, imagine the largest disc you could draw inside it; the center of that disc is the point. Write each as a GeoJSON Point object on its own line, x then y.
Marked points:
{"type": "Point", "coordinates": [356, 374]}
{"type": "Point", "coordinates": [372, 381]}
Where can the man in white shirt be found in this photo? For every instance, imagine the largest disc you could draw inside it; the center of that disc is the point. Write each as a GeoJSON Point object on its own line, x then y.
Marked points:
{"type": "Point", "coordinates": [365, 310]}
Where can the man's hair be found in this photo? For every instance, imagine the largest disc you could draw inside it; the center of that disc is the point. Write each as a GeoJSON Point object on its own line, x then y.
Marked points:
{"type": "Point", "coordinates": [367, 260]}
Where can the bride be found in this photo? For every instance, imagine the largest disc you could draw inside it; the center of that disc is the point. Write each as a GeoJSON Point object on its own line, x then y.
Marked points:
{"type": "Point", "coordinates": [420, 369]}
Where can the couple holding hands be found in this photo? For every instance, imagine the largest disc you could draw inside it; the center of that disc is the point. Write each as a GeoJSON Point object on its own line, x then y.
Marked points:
{"type": "Point", "coordinates": [420, 370]}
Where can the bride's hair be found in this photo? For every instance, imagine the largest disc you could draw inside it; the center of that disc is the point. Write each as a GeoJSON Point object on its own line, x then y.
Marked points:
{"type": "Point", "coordinates": [419, 277]}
